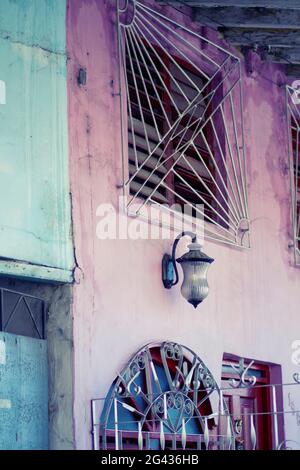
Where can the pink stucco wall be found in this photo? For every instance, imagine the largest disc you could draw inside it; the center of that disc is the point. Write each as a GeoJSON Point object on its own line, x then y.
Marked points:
{"type": "Point", "coordinates": [119, 302]}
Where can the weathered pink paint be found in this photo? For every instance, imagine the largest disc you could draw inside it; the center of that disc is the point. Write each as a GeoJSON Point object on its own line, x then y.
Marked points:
{"type": "Point", "coordinates": [119, 302]}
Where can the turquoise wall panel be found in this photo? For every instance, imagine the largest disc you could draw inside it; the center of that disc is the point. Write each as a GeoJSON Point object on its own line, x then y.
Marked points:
{"type": "Point", "coordinates": [39, 23]}
{"type": "Point", "coordinates": [23, 393]}
{"type": "Point", "coordinates": [35, 219]}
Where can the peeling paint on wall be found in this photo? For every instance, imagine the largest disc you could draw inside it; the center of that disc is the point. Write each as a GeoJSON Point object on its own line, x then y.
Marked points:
{"type": "Point", "coordinates": [2, 353]}
{"type": "Point", "coordinates": [2, 92]}
{"type": "Point", "coordinates": [60, 357]}
{"type": "Point", "coordinates": [35, 222]}
{"type": "Point", "coordinates": [5, 404]}
{"type": "Point", "coordinates": [119, 303]}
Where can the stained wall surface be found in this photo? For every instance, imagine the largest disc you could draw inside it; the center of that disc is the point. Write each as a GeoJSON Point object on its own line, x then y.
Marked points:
{"type": "Point", "coordinates": [119, 301]}
{"type": "Point", "coordinates": [57, 373]}
{"type": "Point", "coordinates": [35, 220]}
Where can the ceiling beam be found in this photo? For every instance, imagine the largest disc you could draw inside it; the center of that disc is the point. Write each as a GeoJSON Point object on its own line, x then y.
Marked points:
{"type": "Point", "coordinates": [237, 17]}
{"type": "Point", "coordinates": [293, 71]}
{"type": "Point", "coordinates": [279, 38]}
{"type": "Point", "coordinates": [283, 4]}
{"type": "Point", "coordinates": [284, 55]}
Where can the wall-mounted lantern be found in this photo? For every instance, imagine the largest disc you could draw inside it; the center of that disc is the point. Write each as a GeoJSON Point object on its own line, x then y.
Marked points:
{"type": "Point", "coordinates": [194, 265]}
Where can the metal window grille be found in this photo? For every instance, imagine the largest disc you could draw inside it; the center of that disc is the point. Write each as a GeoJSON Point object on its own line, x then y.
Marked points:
{"type": "Point", "coordinates": [22, 314]}
{"type": "Point", "coordinates": [185, 121]}
{"type": "Point", "coordinates": [293, 120]}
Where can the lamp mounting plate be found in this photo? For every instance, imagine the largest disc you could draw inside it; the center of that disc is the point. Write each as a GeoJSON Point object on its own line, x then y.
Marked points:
{"type": "Point", "coordinates": [167, 271]}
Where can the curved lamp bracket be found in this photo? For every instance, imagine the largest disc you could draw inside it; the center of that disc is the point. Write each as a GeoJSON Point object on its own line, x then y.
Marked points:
{"type": "Point", "coordinates": [169, 269]}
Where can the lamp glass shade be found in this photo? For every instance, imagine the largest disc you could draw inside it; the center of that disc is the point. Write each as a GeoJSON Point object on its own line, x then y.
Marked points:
{"type": "Point", "coordinates": [195, 265]}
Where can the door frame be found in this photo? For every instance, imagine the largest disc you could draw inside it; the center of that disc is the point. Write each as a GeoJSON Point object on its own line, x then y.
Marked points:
{"type": "Point", "coordinates": [271, 374]}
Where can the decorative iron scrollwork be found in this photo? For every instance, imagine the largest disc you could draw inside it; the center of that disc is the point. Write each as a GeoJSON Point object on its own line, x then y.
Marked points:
{"type": "Point", "coordinates": [238, 426]}
{"type": "Point", "coordinates": [165, 388]}
{"type": "Point", "coordinates": [289, 444]}
{"type": "Point", "coordinates": [244, 380]}
{"type": "Point", "coordinates": [296, 377]}
{"type": "Point", "coordinates": [173, 351]}
{"type": "Point", "coordinates": [126, 11]}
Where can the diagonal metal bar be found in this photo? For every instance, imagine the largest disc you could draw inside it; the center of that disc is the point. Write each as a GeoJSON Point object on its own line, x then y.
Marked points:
{"type": "Point", "coordinates": [216, 108]}
{"type": "Point", "coordinates": [166, 69]}
{"type": "Point", "coordinates": [182, 150]}
{"type": "Point", "coordinates": [293, 123]}
{"type": "Point", "coordinates": [158, 16]}
{"type": "Point", "coordinates": [137, 94]}
{"type": "Point", "coordinates": [208, 189]}
{"type": "Point", "coordinates": [12, 313]}
{"type": "Point", "coordinates": [228, 176]}
{"type": "Point", "coordinates": [32, 317]}
{"type": "Point", "coordinates": [40, 306]}
{"type": "Point", "coordinates": [222, 195]}
{"type": "Point", "coordinates": [202, 198]}
{"type": "Point", "coordinates": [238, 154]}
{"type": "Point", "coordinates": [173, 45]}
{"type": "Point", "coordinates": [197, 209]}
{"type": "Point", "coordinates": [208, 98]}
{"type": "Point", "coordinates": [141, 45]}
{"type": "Point", "coordinates": [123, 59]}
{"type": "Point", "coordinates": [243, 214]}
{"type": "Point", "coordinates": [131, 36]}
{"type": "Point", "coordinates": [162, 81]}
{"type": "Point", "coordinates": [154, 48]}
{"type": "Point", "coordinates": [170, 133]}
{"type": "Point", "coordinates": [209, 234]}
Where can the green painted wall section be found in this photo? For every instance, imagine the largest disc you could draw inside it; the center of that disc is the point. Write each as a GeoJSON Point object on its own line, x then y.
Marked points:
{"type": "Point", "coordinates": [35, 217]}
{"type": "Point", "coordinates": [40, 23]}
{"type": "Point", "coordinates": [23, 393]}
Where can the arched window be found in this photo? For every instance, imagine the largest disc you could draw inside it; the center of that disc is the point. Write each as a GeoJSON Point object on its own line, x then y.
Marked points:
{"type": "Point", "coordinates": [165, 398]}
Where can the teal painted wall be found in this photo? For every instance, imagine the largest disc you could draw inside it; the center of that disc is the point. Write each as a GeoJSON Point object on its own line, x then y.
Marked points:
{"type": "Point", "coordinates": [23, 393]}
{"type": "Point", "coordinates": [35, 220]}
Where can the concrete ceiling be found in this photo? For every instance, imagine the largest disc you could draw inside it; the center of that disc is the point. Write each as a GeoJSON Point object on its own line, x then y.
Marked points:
{"type": "Point", "coordinates": [272, 27]}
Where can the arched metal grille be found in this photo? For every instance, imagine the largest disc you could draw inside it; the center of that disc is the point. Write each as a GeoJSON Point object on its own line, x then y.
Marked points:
{"type": "Point", "coordinates": [293, 119]}
{"type": "Point", "coordinates": [164, 398]}
{"type": "Point", "coordinates": [185, 121]}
